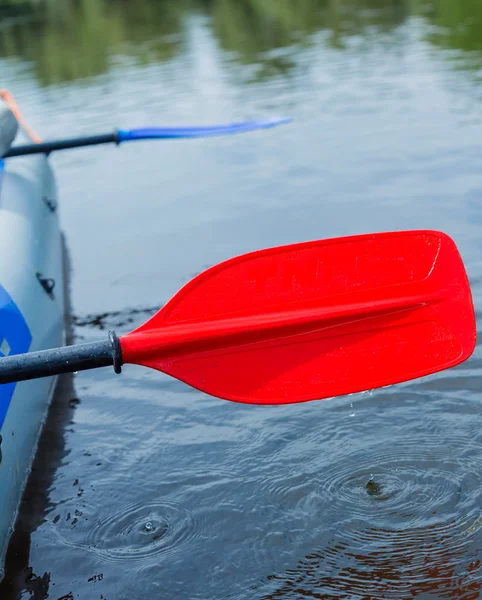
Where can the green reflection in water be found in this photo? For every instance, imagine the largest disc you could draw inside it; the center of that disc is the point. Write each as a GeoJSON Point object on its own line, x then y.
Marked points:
{"type": "Point", "coordinates": [65, 40]}
{"type": "Point", "coordinates": [252, 29]}
{"type": "Point", "coordinates": [73, 39]}
{"type": "Point", "coordinates": [457, 25]}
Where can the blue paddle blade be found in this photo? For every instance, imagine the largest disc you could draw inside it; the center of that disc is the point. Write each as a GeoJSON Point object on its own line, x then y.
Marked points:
{"type": "Point", "coordinates": [127, 135]}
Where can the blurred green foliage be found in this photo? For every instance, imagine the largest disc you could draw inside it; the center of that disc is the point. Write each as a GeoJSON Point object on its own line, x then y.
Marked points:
{"type": "Point", "coordinates": [70, 39]}
{"type": "Point", "coordinates": [457, 24]}
{"type": "Point", "coordinates": [65, 40]}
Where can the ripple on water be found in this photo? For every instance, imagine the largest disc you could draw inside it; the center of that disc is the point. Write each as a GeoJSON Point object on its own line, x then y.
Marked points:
{"type": "Point", "coordinates": [402, 519]}
{"type": "Point", "coordinates": [138, 531]}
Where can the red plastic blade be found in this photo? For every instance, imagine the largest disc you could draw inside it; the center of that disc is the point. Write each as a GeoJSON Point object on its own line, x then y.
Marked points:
{"type": "Point", "coordinates": [315, 320]}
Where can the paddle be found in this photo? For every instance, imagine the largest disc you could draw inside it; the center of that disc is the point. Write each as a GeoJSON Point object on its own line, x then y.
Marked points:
{"type": "Point", "coordinates": [299, 322]}
{"type": "Point", "coordinates": [129, 135]}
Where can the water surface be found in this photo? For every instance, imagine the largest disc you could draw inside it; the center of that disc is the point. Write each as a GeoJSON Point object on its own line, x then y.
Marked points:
{"type": "Point", "coordinates": [144, 488]}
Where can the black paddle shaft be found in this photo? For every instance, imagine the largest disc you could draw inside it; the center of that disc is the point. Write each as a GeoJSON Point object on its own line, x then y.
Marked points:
{"type": "Point", "coordinates": [47, 147]}
{"type": "Point", "coordinates": [56, 361]}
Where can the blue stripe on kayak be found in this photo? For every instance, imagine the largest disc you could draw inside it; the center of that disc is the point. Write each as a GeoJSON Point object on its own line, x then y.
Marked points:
{"type": "Point", "coordinates": [15, 338]}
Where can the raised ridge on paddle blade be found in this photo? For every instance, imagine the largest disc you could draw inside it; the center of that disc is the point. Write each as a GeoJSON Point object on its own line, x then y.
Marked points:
{"type": "Point", "coordinates": [315, 320]}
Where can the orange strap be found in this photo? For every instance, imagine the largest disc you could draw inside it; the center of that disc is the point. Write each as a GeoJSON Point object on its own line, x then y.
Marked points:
{"type": "Point", "coordinates": [9, 99]}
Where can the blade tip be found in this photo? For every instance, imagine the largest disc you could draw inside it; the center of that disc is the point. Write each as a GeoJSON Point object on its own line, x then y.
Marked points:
{"type": "Point", "coordinates": [281, 120]}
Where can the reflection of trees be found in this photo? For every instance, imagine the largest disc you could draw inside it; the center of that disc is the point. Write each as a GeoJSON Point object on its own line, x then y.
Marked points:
{"type": "Point", "coordinates": [70, 39]}
{"type": "Point", "coordinates": [458, 24]}
{"type": "Point", "coordinates": [250, 28]}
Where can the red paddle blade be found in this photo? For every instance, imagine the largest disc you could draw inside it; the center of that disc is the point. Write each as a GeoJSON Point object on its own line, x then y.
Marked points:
{"type": "Point", "coordinates": [315, 320]}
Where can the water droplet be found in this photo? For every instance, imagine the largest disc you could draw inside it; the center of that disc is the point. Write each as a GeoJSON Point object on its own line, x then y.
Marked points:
{"type": "Point", "coordinates": [149, 527]}
{"type": "Point", "coordinates": [75, 372]}
{"type": "Point", "coordinates": [352, 414]}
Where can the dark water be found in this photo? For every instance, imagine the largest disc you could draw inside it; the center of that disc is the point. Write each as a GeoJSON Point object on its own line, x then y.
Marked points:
{"type": "Point", "coordinates": [144, 488]}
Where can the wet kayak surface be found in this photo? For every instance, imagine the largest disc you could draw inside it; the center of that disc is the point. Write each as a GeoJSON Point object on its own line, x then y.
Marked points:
{"type": "Point", "coordinates": [144, 488]}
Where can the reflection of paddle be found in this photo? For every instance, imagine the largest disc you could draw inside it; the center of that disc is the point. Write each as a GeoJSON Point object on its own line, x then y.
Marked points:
{"type": "Point", "coordinates": [391, 564]}
{"type": "Point", "coordinates": [298, 322]}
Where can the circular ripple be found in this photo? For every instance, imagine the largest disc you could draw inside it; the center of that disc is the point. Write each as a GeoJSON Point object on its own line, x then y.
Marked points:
{"type": "Point", "coordinates": [404, 518]}
{"type": "Point", "coordinates": [406, 483]}
{"type": "Point", "coordinates": [138, 531]}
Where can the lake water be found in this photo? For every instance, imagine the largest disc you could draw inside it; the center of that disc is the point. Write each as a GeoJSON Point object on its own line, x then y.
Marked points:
{"type": "Point", "coordinates": [144, 488]}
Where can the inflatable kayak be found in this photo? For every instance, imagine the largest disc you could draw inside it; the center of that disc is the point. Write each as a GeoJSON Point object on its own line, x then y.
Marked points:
{"type": "Point", "coordinates": [31, 305]}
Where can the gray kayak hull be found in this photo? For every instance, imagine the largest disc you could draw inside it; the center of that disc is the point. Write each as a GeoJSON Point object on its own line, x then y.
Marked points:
{"type": "Point", "coordinates": [31, 316]}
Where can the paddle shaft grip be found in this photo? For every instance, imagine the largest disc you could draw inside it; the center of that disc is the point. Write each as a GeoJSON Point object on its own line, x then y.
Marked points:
{"type": "Point", "coordinates": [69, 359]}
{"type": "Point", "coordinates": [47, 147]}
